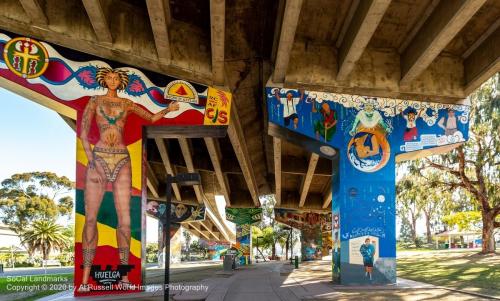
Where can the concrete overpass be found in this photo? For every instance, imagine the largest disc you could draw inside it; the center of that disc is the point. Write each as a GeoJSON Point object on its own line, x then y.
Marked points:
{"type": "Point", "coordinates": [422, 50]}
{"type": "Point", "coordinates": [437, 51]}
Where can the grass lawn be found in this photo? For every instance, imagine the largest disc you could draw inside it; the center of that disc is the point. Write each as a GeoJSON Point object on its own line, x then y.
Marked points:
{"type": "Point", "coordinates": [34, 287]}
{"type": "Point", "coordinates": [462, 269]}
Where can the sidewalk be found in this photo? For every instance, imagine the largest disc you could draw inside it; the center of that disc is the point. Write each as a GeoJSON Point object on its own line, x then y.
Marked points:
{"type": "Point", "coordinates": [276, 281]}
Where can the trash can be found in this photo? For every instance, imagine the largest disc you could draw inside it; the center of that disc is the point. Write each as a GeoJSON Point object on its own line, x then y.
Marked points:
{"type": "Point", "coordinates": [228, 263]}
{"type": "Point", "coordinates": [446, 245]}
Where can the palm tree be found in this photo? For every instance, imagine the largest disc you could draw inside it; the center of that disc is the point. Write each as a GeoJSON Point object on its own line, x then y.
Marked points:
{"type": "Point", "coordinates": [45, 236]}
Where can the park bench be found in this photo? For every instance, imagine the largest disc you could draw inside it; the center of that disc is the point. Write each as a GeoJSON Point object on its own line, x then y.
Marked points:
{"type": "Point", "coordinates": [51, 262]}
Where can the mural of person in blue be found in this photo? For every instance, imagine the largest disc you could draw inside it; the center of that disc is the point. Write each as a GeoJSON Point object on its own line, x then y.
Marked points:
{"type": "Point", "coordinates": [289, 107]}
{"type": "Point", "coordinates": [326, 123]}
{"type": "Point", "coordinates": [367, 250]}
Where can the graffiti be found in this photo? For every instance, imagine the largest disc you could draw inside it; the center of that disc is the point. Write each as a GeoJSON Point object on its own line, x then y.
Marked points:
{"type": "Point", "coordinates": [365, 231]}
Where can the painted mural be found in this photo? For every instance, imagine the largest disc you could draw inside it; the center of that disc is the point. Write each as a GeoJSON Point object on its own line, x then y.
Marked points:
{"type": "Point", "coordinates": [367, 133]}
{"type": "Point", "coordinates": [179, 212]}
{"type": "Point", "coordinates": [244, 218]}
{"type": "Point", "coordinates": [315, 230]}
{"type": "Point", "coordinates": [111, 103]}
{"type": "Point", "coordinates": [216, 248]}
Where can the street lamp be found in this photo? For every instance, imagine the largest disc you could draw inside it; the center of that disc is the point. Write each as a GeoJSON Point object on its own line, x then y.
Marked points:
{"type": "Point", "coordinates": [183, 179]}
{"type": "Point", "coordinates": [257, 257]}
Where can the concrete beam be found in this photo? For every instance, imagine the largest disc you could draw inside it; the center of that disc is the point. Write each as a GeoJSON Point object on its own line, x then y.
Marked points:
{"type": "Point", "coordinates": [368, 15]}
{"type": "Point", "coordinates": [447, 19]}
{"type": "Point", "coordinates": [162, 149]}
{"type": "Point", "coordinates": [159, 16]}
{"type": "Point", "coordinates": [327, 199]}
{"type": "Point", "coordinates": [483, 62]}
{"type": "Point", "coordinates": [217, 33]}
{"type": "Point", "coordinates": [34, 10]}
{"type": "Point", "coordinates": [98, 20]}
{"type": "Point", "coordinates": [277, 168]}
{"type": "Point", "coordinates": [70, 122]}
{"type": "Point", "coordinates": [209, 227]}
{"type": "Point", "coordinates": [215, 157]}
{"type": "Point", "coordinates": [186, 153]}
{"type": "Point", "coordinates": [237, 138]}
{"type": "Point", "coordinates": [197, 227]}
{"type": "Point", "coordinates": [306, 183]}
{"type": "Point", "coordinates": [418, 24]}
{"type": "Point", "coordinates": [287, 36]}
{"type": "Point", "coordinates": [152, 181]}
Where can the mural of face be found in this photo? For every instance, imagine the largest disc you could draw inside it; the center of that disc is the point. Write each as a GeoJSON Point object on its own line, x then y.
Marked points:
{"type": "Point", "coordinates": [180, 209]}
{"type": "Point", "coordinates": [112, 80]}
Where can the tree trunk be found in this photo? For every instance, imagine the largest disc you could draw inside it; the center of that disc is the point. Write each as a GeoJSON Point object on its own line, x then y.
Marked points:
{"type": "Point", "coordinates": [273, 251]}
{"type": "Point", "coordinates": [428, 227]}
{"type": "Point", "coordinates": [414, 230]}
{"type": "Point", "coordinates": [488, 230]}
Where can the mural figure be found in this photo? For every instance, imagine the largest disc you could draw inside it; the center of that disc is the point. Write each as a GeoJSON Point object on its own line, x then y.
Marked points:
{"type": "Point", "coordinates": [368, 149]}
{"type": "Point", "coordinates": [411, 132]}
{"type": "Point", "coordinates": [367, 250]}
{"type": "Point", "coordinates": [449, 123]}
{"type": "Point", "coordinates": [109, 162]}
{"type": "Point", "coordinates": [325, 125]}
{"type": "Point", "coordinates": [368, 118]}
{"type": "Point", "coordinates": [289, 107]}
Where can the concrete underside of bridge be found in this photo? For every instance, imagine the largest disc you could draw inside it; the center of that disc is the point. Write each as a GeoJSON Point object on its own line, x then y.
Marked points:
{"type": "Point", "coordinates": [429, 50]}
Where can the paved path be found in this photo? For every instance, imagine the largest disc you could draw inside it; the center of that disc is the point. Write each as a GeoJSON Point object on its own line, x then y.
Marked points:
{"type": "Point", "coordinates": [277, 281]}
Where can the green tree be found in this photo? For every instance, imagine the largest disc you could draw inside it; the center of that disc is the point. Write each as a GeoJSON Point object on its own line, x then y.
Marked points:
{"type": "Point", "coordinates": [272, 231]}
{"type": "Point", "coordinates": [187, 239]}
{"type": "Point", "coordinates": [465, 221]}
{"type": "Point", "coordinates": [475, 165]}
{"type": "Point", "coordinates": [45, 236]}
{"type": "Point", "coordinates": [410, 201]}
{"type": "Point", "coordinates": [29, 197]}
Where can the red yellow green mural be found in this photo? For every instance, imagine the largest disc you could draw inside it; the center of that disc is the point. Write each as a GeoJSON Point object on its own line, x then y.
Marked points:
{"type": "Point", "coordinates": [111, 103]}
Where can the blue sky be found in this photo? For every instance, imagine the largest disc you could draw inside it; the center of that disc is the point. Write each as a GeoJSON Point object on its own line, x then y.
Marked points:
{"type": "Point", "coordinates": [33, 138]}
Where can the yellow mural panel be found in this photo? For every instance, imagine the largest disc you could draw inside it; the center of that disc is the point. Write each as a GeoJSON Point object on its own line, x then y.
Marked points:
{"type": "Point", "coordinates": [218, 108]}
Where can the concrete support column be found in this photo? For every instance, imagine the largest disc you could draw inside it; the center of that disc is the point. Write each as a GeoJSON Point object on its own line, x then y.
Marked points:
{"type": "Point", "coordinates": [311, 243]}
{"type": "Point", "coordinates": [175, 244]}
{"type": "Point", "coordinates": [244, 243]}
{"type": "Point", "coordinates": [367, 224]}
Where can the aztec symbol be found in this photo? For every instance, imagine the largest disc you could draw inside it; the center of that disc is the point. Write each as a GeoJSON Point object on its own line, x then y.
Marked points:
{"type": "Point", "coordinates": [26, 57]}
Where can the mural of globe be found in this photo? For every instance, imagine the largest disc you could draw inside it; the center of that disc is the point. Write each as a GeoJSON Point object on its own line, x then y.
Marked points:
{"type": "Point", "coordinates": [368, 150]}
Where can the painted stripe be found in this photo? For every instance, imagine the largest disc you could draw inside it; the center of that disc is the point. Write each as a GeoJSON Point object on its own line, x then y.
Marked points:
{"type": "Point", "coordinates": [107, 212]}
{"type": "Point", "coordinates": [107, 236]}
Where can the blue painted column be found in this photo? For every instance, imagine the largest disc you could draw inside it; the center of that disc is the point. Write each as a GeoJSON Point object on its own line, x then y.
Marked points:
{"type": "Point", "coordinates": [368, 224]}
{"type": "Point", "coordinates": [363, 136]}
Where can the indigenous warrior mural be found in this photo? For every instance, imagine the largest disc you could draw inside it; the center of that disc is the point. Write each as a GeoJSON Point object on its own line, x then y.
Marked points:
{"type": "Point", "coordinates": [111, 104]}
{"type": "Point", "coordinates": [364, 136]}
